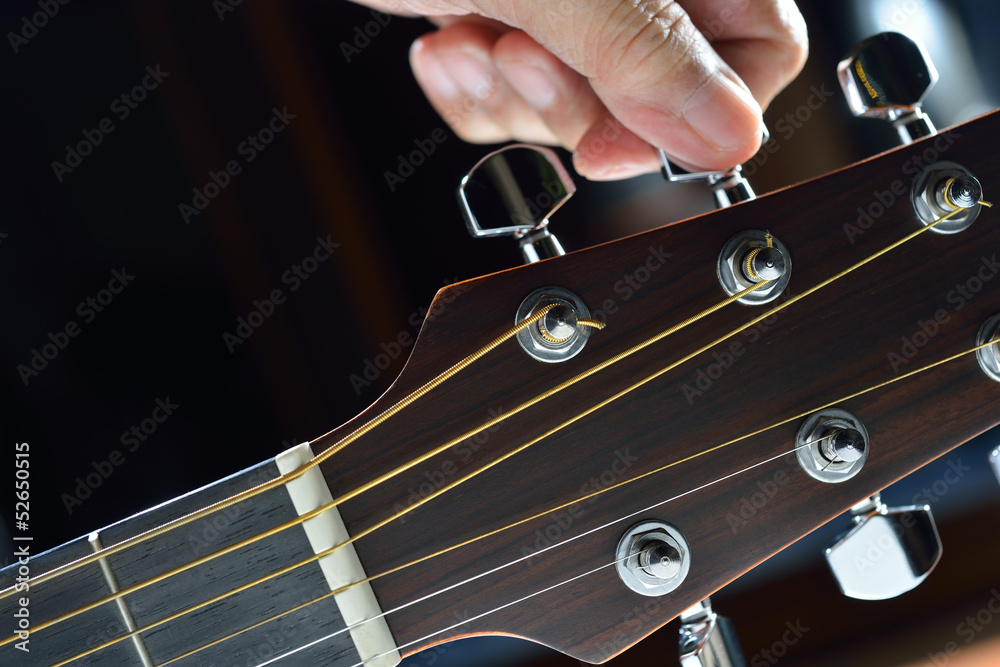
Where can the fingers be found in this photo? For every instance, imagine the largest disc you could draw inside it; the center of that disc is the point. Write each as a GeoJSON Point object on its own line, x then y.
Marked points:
{"type": "Point", "coordinates": [455, 68]}
{"type": "Point", "coordinates": [562, 98]}
{"type": "Point", "coordinates": [690, 83]}
{"type": "Point", "coordinates": [655, 70]}
{"type": "Point", "coordinates": [766, 43]}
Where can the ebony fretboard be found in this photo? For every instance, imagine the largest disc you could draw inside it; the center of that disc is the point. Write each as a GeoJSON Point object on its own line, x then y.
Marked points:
{"type": "Point", "coordinates": [89, 583]}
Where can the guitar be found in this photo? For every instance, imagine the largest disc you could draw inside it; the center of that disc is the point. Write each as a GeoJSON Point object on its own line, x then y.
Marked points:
{"type": "Point", "coordinates": [488, 493]}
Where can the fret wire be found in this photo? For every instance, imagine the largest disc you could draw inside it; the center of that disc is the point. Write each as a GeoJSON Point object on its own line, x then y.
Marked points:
{"type": "Point", "coordinates": [109, 576]}
{"type": "Point", "coordinates": [249, 493]}
{"type": "Point", "coordinates": [482, 574]}
{"type": "Point", "coordinates": [623, 482]}
{"type": "Point", "coordinates": [313, 462]}
{"type": "Point", "coordinates": [289, 476]}
{"type": "Point", "coordinates": [437, 450]}
{"type": "Point", "coordinates": [582, 499]}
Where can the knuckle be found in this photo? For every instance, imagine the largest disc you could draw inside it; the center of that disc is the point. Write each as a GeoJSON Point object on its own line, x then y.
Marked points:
{"type": "Point", "coordinates": [640, 32]}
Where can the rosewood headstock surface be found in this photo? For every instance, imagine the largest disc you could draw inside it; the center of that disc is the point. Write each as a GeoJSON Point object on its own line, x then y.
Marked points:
{"type": "Point", "coordinates": [855, 333]}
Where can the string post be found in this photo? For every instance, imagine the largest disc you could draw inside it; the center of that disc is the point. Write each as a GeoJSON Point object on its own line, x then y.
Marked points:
{"type": "Point", "coordinates": [962, 191]}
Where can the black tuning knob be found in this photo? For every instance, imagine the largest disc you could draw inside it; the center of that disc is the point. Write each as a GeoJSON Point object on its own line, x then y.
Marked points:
{"type": "Point", "coordinates": [887, 76]}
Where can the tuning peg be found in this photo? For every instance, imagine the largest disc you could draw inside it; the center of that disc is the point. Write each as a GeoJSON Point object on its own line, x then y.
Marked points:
{"type": "Point", "coordinates": [707, 639]}
{"type": "Point", "coordinates": [887, 76]}
{"type": "Point", "coordinates": [995, 461]}
{"type": "Point", "coordinates": [513, 192]}
{"type": "Point", "coordinates": [886, 552]}
{"type": "Point", "coordinates": [728, 185]}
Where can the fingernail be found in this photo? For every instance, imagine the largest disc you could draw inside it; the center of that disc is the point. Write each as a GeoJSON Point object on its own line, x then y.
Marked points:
{"type": "Point", "coordinates": [470, 73]}
{"type": "Point", "coordinates": [430, 71]}
{"type": "Point", "coordinates": [724, 114]}
{"type": "Point", "coordinates": [531, 82]}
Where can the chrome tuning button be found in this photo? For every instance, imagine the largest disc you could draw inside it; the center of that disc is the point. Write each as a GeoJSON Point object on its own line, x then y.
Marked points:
{"type": "Point", "coordinates": [513, 192]}
{"type": "Point", "coordinates": [728, 185]}
{"type": "Point", "coordinates": [887, 551]}
{"type": "Point", "coordinates": [887, 76]}
{"type": "Point", "coordinates": [707, 639]}
{"type": "Point", "coordinates": [995, 462]}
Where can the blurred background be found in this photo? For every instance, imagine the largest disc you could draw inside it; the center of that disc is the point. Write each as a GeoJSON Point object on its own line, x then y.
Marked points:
{"type": "Point", "coordinates": [335, 79]}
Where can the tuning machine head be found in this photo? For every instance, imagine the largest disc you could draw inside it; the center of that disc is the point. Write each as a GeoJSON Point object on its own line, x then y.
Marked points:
{"type": "Point", "coordinates": [887, 552]}
{"type": "Point", "coordinates": [728, 185]}
{"type": "Point", "coordinates": [887, 76]}
{"type": "Point", "coordinates": [513, 192]}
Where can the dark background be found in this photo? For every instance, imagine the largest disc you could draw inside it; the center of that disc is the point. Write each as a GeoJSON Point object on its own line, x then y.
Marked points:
{"type": "Point", "coordinates": [162, 336]}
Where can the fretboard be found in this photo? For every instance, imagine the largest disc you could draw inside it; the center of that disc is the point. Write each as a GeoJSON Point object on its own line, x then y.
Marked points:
{"type": "Point", "coordinates": [222, 621]}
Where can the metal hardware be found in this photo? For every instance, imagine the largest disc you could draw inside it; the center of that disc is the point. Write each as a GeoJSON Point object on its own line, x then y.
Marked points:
{"type": "Point", "coordinates": [513, 192]}
{"type": "Point", "coordinates": [728, 186]}
{"type": "Point", "coordinates": [707, 639]}
{"type": "Point", "coordinates": [995, 462]}
{"type": "Point", "coordinates": [832, 445]}
{"type": "Point", "coordinates": [887, 76]}
{"type": "Point", "coordinates": [887, 551]}
{"type": "Point", "coordinates": [940, 189]}
{"type": "Point", "coordinates": [989, 357]}
{"type": "Point", "coordinates": [556, 337]}
{"type": "Point", "coordinates": [653, 558]}
{"type": "Point", "coordinates": [734, 275]}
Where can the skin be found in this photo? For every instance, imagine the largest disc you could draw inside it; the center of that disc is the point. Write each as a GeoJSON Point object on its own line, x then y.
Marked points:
{"type": "Point", "coordinates": [609, 79]}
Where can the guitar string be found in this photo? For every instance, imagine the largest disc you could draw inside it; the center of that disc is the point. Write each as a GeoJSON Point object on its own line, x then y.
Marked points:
{"type": "Point", "coordinates": [292, 475]}
{"type": "Point", "coordinates": [525, 520]}
{"type": "Point", "coordinates": [482, 574]}
{"type": "Point", "coordinates": [389, 475]}
{"type": "Point", "coordinates": [541, 551]}
{"type": "Point", "coordinates": [363, 533]}
{"type": "Point", "coordinates": [628, 481]}
{"type": "Point", "coordinates": [283, 479]}
{"type": "Point", "coordinates": [275, 659]}
{"type": "Point", "coordinates": [122, 593]}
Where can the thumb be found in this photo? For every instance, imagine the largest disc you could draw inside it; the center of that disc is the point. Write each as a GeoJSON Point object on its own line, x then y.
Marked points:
{"type": "Point", "coordinates": [653, 70]}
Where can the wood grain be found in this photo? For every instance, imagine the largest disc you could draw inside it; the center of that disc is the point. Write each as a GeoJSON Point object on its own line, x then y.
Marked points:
{"type": "Point", "coordinates": [827, 346]}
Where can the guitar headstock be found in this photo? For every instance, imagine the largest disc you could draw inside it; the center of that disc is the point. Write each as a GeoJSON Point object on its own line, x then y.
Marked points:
{"type": "Point", "coordinates": [718, 427]}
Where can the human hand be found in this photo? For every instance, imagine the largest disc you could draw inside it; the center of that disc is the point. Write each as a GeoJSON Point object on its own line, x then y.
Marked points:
{"type": "Point", "coordinates": [609, 79]}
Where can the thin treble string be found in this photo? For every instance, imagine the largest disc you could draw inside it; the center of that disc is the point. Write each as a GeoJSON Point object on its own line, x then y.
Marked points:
{"type": "Point", "coordinates": [482, 574]}
{"type": "Point", "coordinates": [284, 478]}
{"type": "Point", "coordinates": [397, 471]}
{"type": "Point", "coordinates": [600, 405]}
{"type": "Point", "coordinates": [414, 642]}
{"type": "Point", "coordinates": [536, 516]}
{"type": "Point", "coordinates": [363, 488]}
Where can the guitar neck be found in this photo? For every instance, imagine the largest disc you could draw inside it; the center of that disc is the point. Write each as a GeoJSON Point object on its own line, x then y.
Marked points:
{"type": "Point", "coordinates": [153, 605]}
